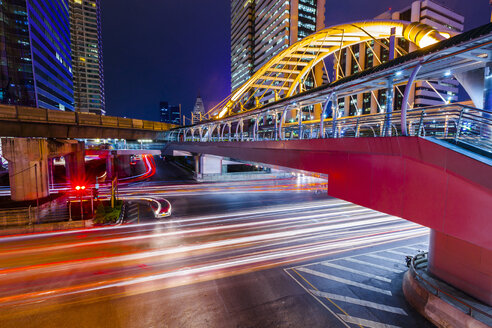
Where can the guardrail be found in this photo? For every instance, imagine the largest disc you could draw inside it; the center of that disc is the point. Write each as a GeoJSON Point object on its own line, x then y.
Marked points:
{"type": "Point", "coordinates": [49, 116]}
{"type": "Point", "coordinates": [458, 123]}
{"type": "Point", "coordinates": [421, 259]}
{"type": "Point", "coordinates": [13, 217]}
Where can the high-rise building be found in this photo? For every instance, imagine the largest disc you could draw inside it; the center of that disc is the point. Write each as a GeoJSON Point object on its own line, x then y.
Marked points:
{"type": "Point", "coordinates": [198, 111]}
{"type": "Point", "coordinates": [261, 29]}
{"type": "Point", "coordinates": [17, 78]}
{"type": "Point", "coordinates": [365, 55]}
{"type": "Point", "coordinates": [242, 36]}
{"type": "Point", "coordinates": [35, 58]}
{"type": "Point", "coordinates": [86, 41]}
{"type": "Point", "coordinates": [170, 114]}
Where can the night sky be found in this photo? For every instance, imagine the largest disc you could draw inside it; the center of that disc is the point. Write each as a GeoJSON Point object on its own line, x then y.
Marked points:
{"type": "Point", "coordinates": [169, 50]}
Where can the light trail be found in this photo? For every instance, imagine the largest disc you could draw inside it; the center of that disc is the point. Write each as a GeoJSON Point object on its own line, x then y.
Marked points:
{"type": "Point", "coordinates": [84, 264]}
{"type": "Point", "coordinates": [226, 267]}
{"type": "Point", "coordinates": [227, 228]}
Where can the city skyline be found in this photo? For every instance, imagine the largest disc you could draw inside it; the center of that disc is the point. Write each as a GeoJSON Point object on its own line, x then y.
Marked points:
{"type": "Point", "coordinates": [169, 65]}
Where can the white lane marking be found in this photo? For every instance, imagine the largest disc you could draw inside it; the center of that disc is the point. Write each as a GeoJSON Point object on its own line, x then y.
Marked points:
{"type": "Point", "coordinates": [344, 281]}
{"type": "Point", "coordinates": [417, 249]}
{"type": "Point", "coordinates": [362, 273]}
{"type": "Point", "coordinates": [372, 264]}
{"type": "Point", "coordinates": [386, 258]}
{"type": "Point", "coordinates": [365, 323]}
{"type": "Point", "coordinates": [398, 253]}
{"type": "Point", "coordinates": [317, 299]}
{"type": "Point", "coordinates": [357, 301]}
{"type": "Point", "coordinates": [344, 258]}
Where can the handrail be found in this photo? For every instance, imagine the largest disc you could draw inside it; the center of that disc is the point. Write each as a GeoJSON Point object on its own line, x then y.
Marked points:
{"type": "Point", "coordinates": [423, 256]}
{"type": "Point", "coordinates": [456, 122]}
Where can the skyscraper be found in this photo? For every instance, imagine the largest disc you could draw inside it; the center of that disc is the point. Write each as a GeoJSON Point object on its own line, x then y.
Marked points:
{"type": "Point", "coordinates": [170, 114]}
{"type": "Point", "coordinates": [366, 55]}
{"type": "Point", "coordinates": [36, 67]}
{"type": "Point", "coordinates": [17, 78]}
{"type": "Point", "coordinates": [260, 29]}
{"type": "Point", "coordinates": [86, 41]}
{"type": "Point", "coordinates": [242, 41]}
{"type": "Point", "coordinates": [198, 110]}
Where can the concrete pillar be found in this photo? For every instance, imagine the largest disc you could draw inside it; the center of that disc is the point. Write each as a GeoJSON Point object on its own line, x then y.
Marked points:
{"type": "Point", "coordinates": [51, 178]}
{"type": "Point", "coordinates": [124, 164]}
{"type": "Point", "coordinates": [210, 164]}
{"type": "Point", "coordinates": [28, 167]}
{"type": "Point", "coordinates": [206, 166]}
{"type": "Point", "coordinates": [389, 107]}
{"type": "Point", "coordinates": [461, 264]}
{"type": "Point", "coordinates": [198, 167]}
{"type": "Point", "coordinates": [75, 164]}
{"type": "Point", "coordinates": [110, 167]}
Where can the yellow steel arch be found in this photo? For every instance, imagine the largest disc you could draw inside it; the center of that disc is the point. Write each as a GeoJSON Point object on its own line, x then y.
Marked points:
{"type": "Point", "coordinates": [284, 73]}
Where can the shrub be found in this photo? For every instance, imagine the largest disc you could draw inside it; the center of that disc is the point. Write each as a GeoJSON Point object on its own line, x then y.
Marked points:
{"type": "Point", "coordinates": [106, 214]}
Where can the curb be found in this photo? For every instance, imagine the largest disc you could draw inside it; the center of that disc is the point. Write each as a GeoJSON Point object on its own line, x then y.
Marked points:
{"type": "Point", "coordinates": [437, 311]}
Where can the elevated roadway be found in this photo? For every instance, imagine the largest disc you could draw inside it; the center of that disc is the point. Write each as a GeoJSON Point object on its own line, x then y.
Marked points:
{"type": "Point", "coordinates": [18, 121]}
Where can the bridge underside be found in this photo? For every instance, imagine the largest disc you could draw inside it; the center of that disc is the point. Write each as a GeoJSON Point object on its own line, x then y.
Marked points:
{"type": "Point", "coordinates": [409, 177]}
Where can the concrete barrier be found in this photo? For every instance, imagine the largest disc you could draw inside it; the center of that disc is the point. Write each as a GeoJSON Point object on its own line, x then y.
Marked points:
{"type": "Point", "coordinates": [437, 311]}
{"type": "Point", "coordinates": [45, 227]}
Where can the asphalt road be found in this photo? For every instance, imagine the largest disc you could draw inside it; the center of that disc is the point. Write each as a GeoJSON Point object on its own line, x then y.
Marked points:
{"type": "Point", "coordinates": [276, 253]}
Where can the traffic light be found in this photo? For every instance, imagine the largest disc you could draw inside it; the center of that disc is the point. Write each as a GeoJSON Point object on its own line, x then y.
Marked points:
{"type": "Point", "coordinates": [78, 188]}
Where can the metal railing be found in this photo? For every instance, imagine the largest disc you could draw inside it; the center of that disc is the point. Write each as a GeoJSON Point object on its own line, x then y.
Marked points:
{"type": "Point", "coordinates": [457, 123]}
{"type": "Point", "coordinates": [419, 261]}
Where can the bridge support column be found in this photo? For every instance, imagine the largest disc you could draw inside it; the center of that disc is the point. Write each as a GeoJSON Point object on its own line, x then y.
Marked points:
{"type": "Point", "coordinates": [299, 121]}
{"type": "Point", "coordinates": [389, 108]}
{"type": "Point", "coordinates": [28, 167]}
{"type": "Point", "coordinates": [198, 168]}
{"type": "Point", "coordinates": [334, 113]}
{"type": "Point", "coordinates": [275, 125]}
{"type": "Point", "coordinates": [464, 265]}
{"type": "Point", "coordinates": [75, 164]}
{"type": "Point", "coordinates": [124, 164]}
{"type": "Point", "coordinates": [51, 178]}
{"type": "Point", "coordinates": [110, 167]}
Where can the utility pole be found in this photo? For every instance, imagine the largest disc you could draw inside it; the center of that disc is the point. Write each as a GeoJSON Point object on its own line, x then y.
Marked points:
{"type": "Point", "coordinates": [81, 207]}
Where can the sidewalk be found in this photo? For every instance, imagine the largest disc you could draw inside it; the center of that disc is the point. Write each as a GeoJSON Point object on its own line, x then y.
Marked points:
{"type": "Point", "coordinates": [441, 303]}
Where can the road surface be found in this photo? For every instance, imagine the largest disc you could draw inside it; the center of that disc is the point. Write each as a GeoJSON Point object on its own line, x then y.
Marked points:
{"type": "Point", "coordinates": [275, 253]}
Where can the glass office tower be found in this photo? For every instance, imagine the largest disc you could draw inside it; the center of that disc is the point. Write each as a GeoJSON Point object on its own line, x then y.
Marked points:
{"type": "Point", "coordinates": [16, 73]}
{"type": "Point", "coordinates": [36, 67]}
{"type": "Point", "coordinates": [170, 114]}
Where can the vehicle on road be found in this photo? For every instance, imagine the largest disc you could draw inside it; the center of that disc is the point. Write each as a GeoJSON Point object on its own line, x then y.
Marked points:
{"type": "Point", "coordinates": [161, 207]}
